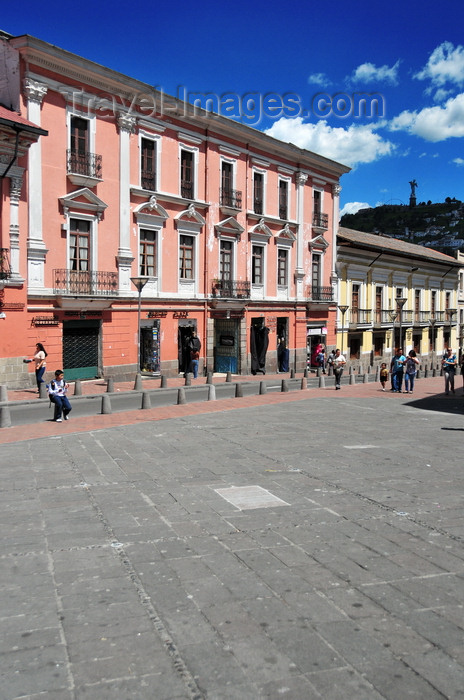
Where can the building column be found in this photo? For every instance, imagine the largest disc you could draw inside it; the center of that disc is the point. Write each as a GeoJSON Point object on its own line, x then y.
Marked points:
{"type": "Point", "coordinates": [15, 193]}
{"type": "Point", "coordinates": [125, 257]}
{"type": "Point", "coordinates": [36, 250]}
{"type": "Point", "coordinates": [301, 179]}
{"type": "Point", "coordinates": [336, 189]}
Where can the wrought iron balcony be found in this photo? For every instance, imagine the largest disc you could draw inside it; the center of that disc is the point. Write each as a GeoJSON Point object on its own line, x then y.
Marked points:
{"type": "Point", "coordinates": [83, 282]}
{"type": "Point", "coordinates": [360, 317]}
{"type": "Point", "coordinates": [186, 189]}
{"type": "Point", "coordinates": [321, 220]}
{"type": "Point", "coordinates": [5, 269]}
{"type": "Point", "coordinates": [231, 198]}
{"type": "Point", "coordinates": [316, 293]}
{"type": "Point", "coordinates": [230, 289]}
{"type": "Point", "coordinates": [148, 179]}
{"type": "Point", "coordinates": [86, 164]}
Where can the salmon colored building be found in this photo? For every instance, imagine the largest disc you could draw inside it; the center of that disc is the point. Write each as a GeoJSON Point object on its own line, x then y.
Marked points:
{"type": "Point", "coordinates": [130, 219]}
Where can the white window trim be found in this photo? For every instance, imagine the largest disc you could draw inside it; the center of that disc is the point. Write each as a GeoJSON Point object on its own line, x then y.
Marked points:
{"type": "Point", "coordinates": [91, 118]}
{"type": "Point", "coordinates": [288, 180]}
{"type": "Point", "coordinates": [158, 141]}
{"type": "Point", "coordinates": [195, 151]}
{"type": "Point", "coordinates": [260, 285]}
{"type": "Point", "coordinates": [233, 240]}
{"type": "Point", "coordinates": [159, 237]}
{"type": "Point", "coordinates": [93, 238]}
{"type": "Point", "coordinates": [259, 171]}
{"type": "Point", "coordinates": [288, 249]}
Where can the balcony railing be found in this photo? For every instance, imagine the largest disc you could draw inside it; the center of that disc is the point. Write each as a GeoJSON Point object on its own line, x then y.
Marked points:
{"type": "Point", "coordinates": [316, 293]}
{"type": "Point", "coordinates": [230, 289]}
{"type": "Point", "coordinates": [148, 180]}
{"type": "Point", "coordinates": [5, 269]}
{"type": "Point", "coordinates": [321, 220]}
{"type": "Point", "coordinates": [360, 317]}
{"type": "Point", "coordinates": [87, 164]}
{"type": "Point", "coordinates": [186, 189]}
{"type": "Point", "coordinates": [231, 198]}
{"type": "Point", "coordinates": [82, 282]}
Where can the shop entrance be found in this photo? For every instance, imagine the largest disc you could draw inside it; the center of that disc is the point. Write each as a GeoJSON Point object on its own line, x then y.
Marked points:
{"type": "Point", "coordinates": [150, 360]}
{"type": "Point", "coordinates": [226, 346]}
{"type": "Point", "coordinates": [80, 349]}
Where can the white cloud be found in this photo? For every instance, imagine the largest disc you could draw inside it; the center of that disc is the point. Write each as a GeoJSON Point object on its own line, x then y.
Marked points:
{"type": "Point", "coordinates": [353, 145]}
{"type": "Point", "coordinates": [445, 64]}
{"type": "Point", "coordinates": [369, 73]}
{"type": "Point", "coordinates": [319, 79]}
{"type": "Point", "coordinates": [353, 207]}
{"type": "Point", "coordinates": [433, 123]}
{"type": "Point", "coordinates": [458, 161]}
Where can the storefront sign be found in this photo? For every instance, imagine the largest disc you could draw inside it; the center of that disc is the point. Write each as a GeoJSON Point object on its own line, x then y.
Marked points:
{"type": "Point", "coordinates": [157, 314]}
{"type": "Point", "coordinates": [181, 314]}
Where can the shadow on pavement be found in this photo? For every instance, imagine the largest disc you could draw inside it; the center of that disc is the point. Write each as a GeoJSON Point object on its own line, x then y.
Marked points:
{"type": "Point", "coordinates": [437, 402]}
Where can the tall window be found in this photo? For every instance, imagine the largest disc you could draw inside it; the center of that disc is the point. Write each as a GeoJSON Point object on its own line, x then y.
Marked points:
{"type": "Point", "coordinates": [433, 304]}
{"type": "Point", "coordinates": [79, 142]}
{"type": "Point", "coordinates": [226, 260]}
{"type": "Point", "coordinates": [355, 303]}
{"type": "Point", "coordinates": [378, 304]}
{"type": "Point", "coordinates": [417, 305]}
{"type": "Point", "coordinates": [257, 261]}
{"type": "Point", "coordinates": [147, 253]}
{"type": "Point", "coordinates": [148, 164]}
{"type": "Point", "coordinates": [186, 257]}
{"type": "Point", "coordinates": [186, 174]}
{"type": "Point", "coordinates": [283, 199]}
{"type": "Point", "coordinates": [258, 193]}
{"type": "Point", "coordinates": [79, 245]}
{"type": "Point", "coordinates": [282, 267]}
{"type": "Point", "coordinates": [317, 202]}
{"type": "Point", "coordinates": [316, 274]}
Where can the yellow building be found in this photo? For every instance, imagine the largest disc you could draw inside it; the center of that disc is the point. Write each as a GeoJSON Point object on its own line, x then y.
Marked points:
{"type": "Point", "coordinates": [394, 294]}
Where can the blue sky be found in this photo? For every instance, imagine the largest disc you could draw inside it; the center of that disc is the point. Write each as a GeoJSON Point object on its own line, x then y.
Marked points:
{"type": "Point", "coordinates": [316, 58]}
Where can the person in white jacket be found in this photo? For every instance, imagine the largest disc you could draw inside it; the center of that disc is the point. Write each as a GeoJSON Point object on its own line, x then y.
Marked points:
{"type": "Point", "coordinates": [57, 392]}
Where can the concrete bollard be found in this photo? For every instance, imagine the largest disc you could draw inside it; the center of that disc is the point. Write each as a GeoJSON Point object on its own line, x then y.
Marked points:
{"type": "Point", "coordinates": [329, 371]}
{"type": "Point", "coordinates": [164, 381]}
{"type": "Point", "coordinates": [318, 372]}
{"type": "Point", "coordinates": [77, 388]}
{"type": "Point", "coordinates": [377, 373]}
{"type": "Point", "coordinates": [304, 383]}
{"type": "Point", "coordinates": [5, 417]}
{"type": "Point", "coordinates": [351, 370]}
{"type": "Point", "coordinates": [43, 393]}
{"type": "Point", "coordinates": [188, 379]}
{"type": "Point", "coordinates": [365, 378]}
{"type": "Point", "coordinates": [138, 382]}
{"type": "Point", "coordinates": [360, 370]}
{"type": "Point", "coordinates": [209, 378]}
{"type": "Point", "coordinates": [418, 374]}
{"type": "Point", "coordinates": [426, 373]}
{"type": "Point", "coordinates": [146, 401]}
{"type": "Point", "coordinates": [305, 373]}
{"type": "Point", "coordinates": [284, 386]}
{"type": "Point", "coordinates": [292, 374]}
{"type": "Point", "coordinates": [352, 379]}
{"type": "Point", "coordinates": [434, 372]}
{"type": "Point", "coordinates": [106, 404]}
{"type": "Point", "coordinates": [3, 393]}
{"type": "Point", "coordinates": [211, 392]}
{"type": "Point", "coordinates": [238, 391]}
{"type": "Point", "coordinates": [321, 381]}
{"type": "Point", "coordinates": [262, 388]}
{"type": "Point", "coordinates": [110, 385]}
{"type": "Point", "coordinates": [181, 397]}
{"type": "Point", "coordinates": [229, 377]}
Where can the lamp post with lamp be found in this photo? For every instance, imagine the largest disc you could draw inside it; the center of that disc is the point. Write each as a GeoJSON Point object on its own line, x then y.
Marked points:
{"type": "Point", "coordinates": [451, 313]}
{"type": "Point", "coordinates": [432, 322]}
{"type": "Point", "coordinates": [139, 283]}
{"type": "Point", "coordinates": [400, 302]}
{"type": "Point", "coordinates": [343, 308]}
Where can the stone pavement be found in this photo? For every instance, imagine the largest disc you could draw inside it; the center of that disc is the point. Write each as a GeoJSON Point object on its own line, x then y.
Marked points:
{"type": "Point", "coordinates": [275, 546]}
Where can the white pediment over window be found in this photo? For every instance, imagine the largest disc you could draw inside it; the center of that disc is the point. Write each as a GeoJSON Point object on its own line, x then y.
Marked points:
{"type": "Point", "coordinates": [318, 243]}
{"type": "Point", "coordinates": [261, 231]}
{"type": "Point", "coordinates": [83, 200]}
{"type": "Point", "coordinates": [229, 227]}
{"type": "Point", "coordinates": [285, 235]}
{"type": "Point", "coordinates": [191, 215]}
{"type": "Point", "coordinates": [151, 209]}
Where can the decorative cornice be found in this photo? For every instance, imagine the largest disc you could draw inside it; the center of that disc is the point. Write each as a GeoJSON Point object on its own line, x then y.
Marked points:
{"type": "Point", "coordinates": [151, 208]}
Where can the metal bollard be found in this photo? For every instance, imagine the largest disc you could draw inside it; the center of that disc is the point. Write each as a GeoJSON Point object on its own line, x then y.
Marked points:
{"type": "Point", "coordinates": [146, 401]}
{"type": "Point", "coordinates": [106, 404]}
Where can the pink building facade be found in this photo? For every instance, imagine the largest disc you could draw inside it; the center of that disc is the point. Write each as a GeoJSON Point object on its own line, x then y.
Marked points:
{"type": "Point", "coordinates": [230, 231]}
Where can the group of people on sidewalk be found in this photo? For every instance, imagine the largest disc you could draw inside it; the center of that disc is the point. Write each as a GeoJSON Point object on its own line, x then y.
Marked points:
{"type": "Point", "coordinates": [405, 367]}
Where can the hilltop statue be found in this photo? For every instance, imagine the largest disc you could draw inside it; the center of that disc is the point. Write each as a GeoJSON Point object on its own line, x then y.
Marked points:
{"type": "Point", "coordinates": [412, 197]}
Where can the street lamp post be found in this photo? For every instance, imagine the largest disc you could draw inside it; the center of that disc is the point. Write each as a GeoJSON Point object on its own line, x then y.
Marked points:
{"type": "Point", "coordinates": [400, 302]}
{"type": "Point", "coordinates": [432, 326]}
{"type": "Point", "coordinates": [451, 313]}
{"type": "Point", "coordinates": [343, 309]}
{"type": "Point", "coordinates": [139, 283]}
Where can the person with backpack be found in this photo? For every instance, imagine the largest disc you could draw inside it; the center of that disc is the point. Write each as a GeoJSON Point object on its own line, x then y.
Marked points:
{"type": "Point", "coordinates": [195, 347]}
{"type": "Point", "coordinates": [410, 369]}
{"type": "Point", "coordinates": [57, 390]}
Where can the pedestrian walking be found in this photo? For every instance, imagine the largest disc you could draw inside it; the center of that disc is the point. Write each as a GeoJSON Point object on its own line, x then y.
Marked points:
{"type": "Point", "coordinates": [338, 364]}
{"type": "Point", "coordinates": [194, 345]}
{"type": "Point", "coordinates": [383, 375]}
{"type": "Point", "coordinates": [40, 362]}
{"type": "Point", "coordinates": [410, 370]}
{"type": "Point", "coordinates": [397, 370]}
{"type": "Point", "coordinates": [449, 363]}
{"type": "Point", "coordinates": [57, 390]}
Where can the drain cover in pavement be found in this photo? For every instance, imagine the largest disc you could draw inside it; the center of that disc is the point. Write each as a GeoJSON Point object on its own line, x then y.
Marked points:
{"type": "Point", "coordinates": [244, 497]}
